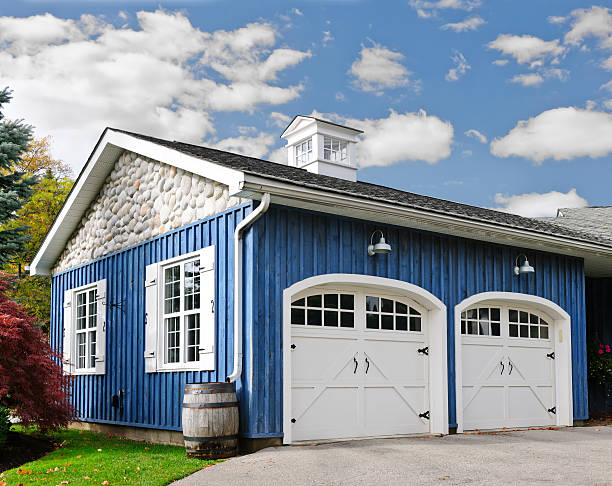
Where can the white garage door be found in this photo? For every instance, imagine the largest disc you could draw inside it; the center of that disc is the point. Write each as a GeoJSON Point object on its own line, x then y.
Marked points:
{"type": "Point", "coordinates": [359, 365]}
{"type": "Point", "coordinates": [508, 368]}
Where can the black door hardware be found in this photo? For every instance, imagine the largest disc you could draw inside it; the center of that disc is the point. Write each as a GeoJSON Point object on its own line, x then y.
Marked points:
{"type": "Point", "coordinates": [511, 367]}
{"type": "Point", "coordinates": [293, 346]}
{"type": "Point", "coordinates": [424, 415]}
{"type": "Point", "coordinates": [424, 350]}
{"type": "Point", "coordinates": [368, 365]}
{"type": "Point", "coordinates": [292, 421]}
{"type": "Point", "coordinates": [552, 410]}
{"type": "Point", "coordinates": [502, 365]}
{"type": "Point", "coordinates": [356, 363]}
{"type": "Point", "coordinates": [551, 355]}
{"type": "Point", "coordinates": [212, 303]}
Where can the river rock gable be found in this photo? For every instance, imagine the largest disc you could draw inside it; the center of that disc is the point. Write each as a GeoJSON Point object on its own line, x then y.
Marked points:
{"type": "Point", "coordinates": [141, 198]}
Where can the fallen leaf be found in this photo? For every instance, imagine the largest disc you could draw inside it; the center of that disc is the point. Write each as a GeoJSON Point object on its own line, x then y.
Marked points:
{"type": "Point", "coordinates": [96, 470]}
{"type": "Point", "coordinates": [105, 483]}
{"type": "Point", "coordinates": [64, 482]}
{"type": "Point", "coordinates": [86, 477]}
{"type": "Point", "coordinates": [99, 450]}
{"type": "Point", "coordinates": [79, 456]}
{"type": "Point", "coordinates": [137, 468]}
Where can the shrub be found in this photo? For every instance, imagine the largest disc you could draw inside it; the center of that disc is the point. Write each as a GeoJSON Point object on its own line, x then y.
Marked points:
{"type": "Point", "coordinates": [5, 424]}
{"type": "Point", "coordinates": [32, 385]}
{"type": "Point", "coordinates": [600, 364]}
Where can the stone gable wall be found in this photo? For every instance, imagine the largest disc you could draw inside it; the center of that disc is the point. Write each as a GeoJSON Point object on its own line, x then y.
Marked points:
{"type": "Point", "coordinates": [141, 198]}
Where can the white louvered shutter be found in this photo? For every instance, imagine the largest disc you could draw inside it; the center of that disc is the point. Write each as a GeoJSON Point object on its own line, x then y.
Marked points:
{"type": "Point", "coordinates": [68, 352]}
{"type": "Point", "coordinates": [101, 327]}
{"type": "Point", "coordinates": [151, 320]}
{"type": "Point", "coordinates": [208, 308]}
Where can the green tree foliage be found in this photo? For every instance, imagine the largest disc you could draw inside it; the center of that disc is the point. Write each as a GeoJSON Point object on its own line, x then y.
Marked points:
{"type": "Point", "coordinates": [15, 187]}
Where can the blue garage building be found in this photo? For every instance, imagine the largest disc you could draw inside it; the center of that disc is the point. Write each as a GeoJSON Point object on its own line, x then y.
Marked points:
{"type": "Point", "coordinates": [339, 308]}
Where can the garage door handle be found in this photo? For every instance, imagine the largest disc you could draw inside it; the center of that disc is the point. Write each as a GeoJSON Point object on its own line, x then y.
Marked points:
{"type": "Point", "coordinates": [511, 367]}
{"type": "Point", "coordinates": [356, 364]}
{"type": "Point", "coordinates": [502, 365]}
{"type": "Point", "coordinates": [368, 366]}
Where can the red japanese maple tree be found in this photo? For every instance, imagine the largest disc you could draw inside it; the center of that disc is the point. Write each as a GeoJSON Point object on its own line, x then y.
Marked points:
{"type": "Point", "coordinates": [32, 385]}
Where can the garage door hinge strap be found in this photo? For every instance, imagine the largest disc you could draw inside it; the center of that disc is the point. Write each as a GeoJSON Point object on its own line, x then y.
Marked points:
{"type": "Point", "coordinates": [424, 350]}
{"type": "Point", "coordinates": [551, 355]}
{"type": "Point", "coordinates": [424, 415]}
{"type": "Point", "coordinates": [552, 410]}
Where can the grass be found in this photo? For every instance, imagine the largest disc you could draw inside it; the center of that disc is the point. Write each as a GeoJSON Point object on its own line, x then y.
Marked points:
{"type": "Point", "coordinates": [88, 458]}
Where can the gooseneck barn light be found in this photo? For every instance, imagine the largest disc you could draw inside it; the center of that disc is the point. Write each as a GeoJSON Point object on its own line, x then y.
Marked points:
{"type": "Point", "coordinates": [524, 267]}
{"type": "Point", "coordinates": [381, 247]}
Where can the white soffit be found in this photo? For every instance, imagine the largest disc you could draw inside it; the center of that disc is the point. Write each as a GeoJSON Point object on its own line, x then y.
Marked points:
{"type": "Point", "coordinates": [89, 182]}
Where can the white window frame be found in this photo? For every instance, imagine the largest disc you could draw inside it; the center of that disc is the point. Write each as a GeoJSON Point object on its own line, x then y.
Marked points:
{"type": "Point", "coordinates": [336, 155]}
{"type": "Point", "coordinates": [303, 155]}
{"type": "Point", "coordinates": [156, 351]}
{"type": "Point", "coordinates": [71, 352]}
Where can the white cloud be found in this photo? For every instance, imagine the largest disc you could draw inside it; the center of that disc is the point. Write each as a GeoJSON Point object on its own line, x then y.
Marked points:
{"type": "Point", "coordinates": [73, 78]}
{"type": "Point", "coordinates": [607, 86]}
{"type": "Point", "coordinates": [426, 9]}
{"type": "Point", "coordinates": [339, 96]}
{"type": "Point", "coordinates": [471, 23]}
{"type": "Point", "coordinates": [477, 135]}
{"type": "Point", "coordinates": [297, 11]}
{"type": "Point", "coordinates": [461, 67]}
{"type": "Point", "coordinates": [279, 156]}
{"type": "Point", "coordinates": [530, 79]}
{"type": "Point", "coordinates": [526, 48]}
{"type": "Point", "coordinates": [279, 119]}
{"type": "Point", "coordinates": [327, 38]}
{"type": "Point", "coordinates": [500, 62]}
{"type": "Point", "coordinates": [252, 146]}
{"type": "Point", "coordinates": [560, 134]}
{"type": "Point", "coordinates": [378, 68]}
{"type": "Point", "coordinates": [555, 19]}
{"type": "Point", "coordinates": [400, 137]}
{"type": "Point", "coordinates": [533, 205]}
{"type": "Point", "coordinates": [591, 22]}
{"type": "Point", "coordinates": [608, 104]}
{"type": "Point", "coordinates": [607, 64]}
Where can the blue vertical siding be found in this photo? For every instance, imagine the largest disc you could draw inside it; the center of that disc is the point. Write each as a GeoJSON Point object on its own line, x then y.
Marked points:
{"type": "Point", "coordinates": [292, 245]}
{"type": "Point", "coordinates": [151, 399]}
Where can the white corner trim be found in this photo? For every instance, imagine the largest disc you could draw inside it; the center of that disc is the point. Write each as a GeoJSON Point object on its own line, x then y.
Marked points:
{"type": "Point", "coordinates": [438, 376]}
{"type": "Point", "coordinates": [100, 163]}
{"type": "Point", "coordinates": [562, 341]}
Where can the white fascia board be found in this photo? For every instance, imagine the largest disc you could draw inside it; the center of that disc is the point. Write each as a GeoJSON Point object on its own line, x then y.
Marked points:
{"type": "Point", "coordinates": [101, 162]}
{"type": "Point", "coordinates": [598, 259]}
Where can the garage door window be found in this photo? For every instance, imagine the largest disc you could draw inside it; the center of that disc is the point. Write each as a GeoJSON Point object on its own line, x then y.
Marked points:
{"type": "Point", "coordinates": [523, 324]}
{"type": "Point", "coordinates": [324, 310]}
{"type": "Point", "coordinates": [481, 321]}
{"type": "Point", "coordinates": [391, 315]}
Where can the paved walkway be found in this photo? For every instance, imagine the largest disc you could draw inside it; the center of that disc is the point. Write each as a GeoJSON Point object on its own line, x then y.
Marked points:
{"type": "Point", "coordinates": [572, 456]}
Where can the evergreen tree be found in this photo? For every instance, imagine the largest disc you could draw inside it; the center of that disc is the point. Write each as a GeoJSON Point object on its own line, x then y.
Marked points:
{"type": "Point", "coordinates": [15, 187]}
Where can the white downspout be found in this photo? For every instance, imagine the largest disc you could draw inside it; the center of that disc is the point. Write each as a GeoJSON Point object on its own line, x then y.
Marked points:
{"type": "Point", "coordinates": [243, 225]}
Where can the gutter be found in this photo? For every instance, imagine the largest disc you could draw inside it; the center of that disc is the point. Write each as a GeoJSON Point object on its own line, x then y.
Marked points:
{"type": "Point", "coordinates": [238, 233]}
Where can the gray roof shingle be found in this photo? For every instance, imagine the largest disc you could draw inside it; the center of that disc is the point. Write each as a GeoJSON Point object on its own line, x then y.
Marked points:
{"type": "Point", "coordinates": [594, 220]}
{"type": "Point", "coordinates": [294, 175]}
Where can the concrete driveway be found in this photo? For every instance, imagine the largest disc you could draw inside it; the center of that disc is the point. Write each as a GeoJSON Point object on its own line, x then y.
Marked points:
{"type": "Point", "coordinates": [576, 456]}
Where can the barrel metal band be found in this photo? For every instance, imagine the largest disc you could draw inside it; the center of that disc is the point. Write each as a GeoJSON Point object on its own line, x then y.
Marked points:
{"type": "Point", "coordinates": [210, 439]}
{"type": "Point", "coordinates": [206, 391]}
{"type": "Point", "coordinates": [210, 405]}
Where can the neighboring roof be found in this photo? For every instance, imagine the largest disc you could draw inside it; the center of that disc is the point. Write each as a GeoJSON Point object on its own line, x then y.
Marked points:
{"type": "Point", "coordinates": [321, 121]}
{"type": "Point", "coordinates": [595, 220]}
{"type": "Point", "coordinates": [302, 177]}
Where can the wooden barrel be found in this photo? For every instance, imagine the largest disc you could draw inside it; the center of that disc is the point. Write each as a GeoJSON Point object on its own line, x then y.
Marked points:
{"type": "Point", "coordinates": [210, 420]}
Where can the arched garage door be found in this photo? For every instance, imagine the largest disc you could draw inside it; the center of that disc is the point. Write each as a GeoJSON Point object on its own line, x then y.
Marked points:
{"type": "Point", "coordinates": [360, 362]}
{"type": "Point", "coordinates": [508, 355]}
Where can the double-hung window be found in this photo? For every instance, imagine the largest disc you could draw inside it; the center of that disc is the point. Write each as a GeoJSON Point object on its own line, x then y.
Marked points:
{"type": "Point", "coordinates": [180, 297]}
{"type": "Point", "coordinates": [85, 329]}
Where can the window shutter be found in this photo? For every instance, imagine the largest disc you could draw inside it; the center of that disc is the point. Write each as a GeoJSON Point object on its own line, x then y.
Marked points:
{"type": "Point", "coordinates": [207, 313]}
{"type": "Point", "coordinates": [151, 318]}
{"type": "Point", "coordinates": [68, 364]}
{"type": "Point", "coordinates": [101, 328]}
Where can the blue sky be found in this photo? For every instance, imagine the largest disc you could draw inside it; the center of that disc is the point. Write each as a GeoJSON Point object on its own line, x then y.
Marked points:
{"type": "Point", "coordinates": [495, 103]}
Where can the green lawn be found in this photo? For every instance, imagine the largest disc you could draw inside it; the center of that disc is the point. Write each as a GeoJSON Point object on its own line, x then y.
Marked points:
{"type": "Point", "coordinates": [89, 458]}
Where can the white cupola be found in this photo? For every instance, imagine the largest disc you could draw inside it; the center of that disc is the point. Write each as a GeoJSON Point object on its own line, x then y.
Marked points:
{"type": "Point", "coordinates": [322, 147]}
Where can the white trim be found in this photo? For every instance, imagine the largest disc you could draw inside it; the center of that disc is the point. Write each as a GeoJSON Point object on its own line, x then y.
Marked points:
{"type": "Point", "coordinates": [438, 386]}
{"type": "Point", "coordinates": [101, 162]}
{"type": "Point", "coordinates": [561, 336]}
{"type": "Point", "coordinates": [598, 258]}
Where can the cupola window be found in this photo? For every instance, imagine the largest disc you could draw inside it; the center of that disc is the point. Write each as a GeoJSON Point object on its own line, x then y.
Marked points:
{"type": "Point", "coordinates": [303, 152]}
{"type": "Point", "coordinates": [334, 150]}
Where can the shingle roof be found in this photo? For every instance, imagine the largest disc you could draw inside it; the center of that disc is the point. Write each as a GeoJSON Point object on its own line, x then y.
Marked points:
{"type": "Point", "coordinates": [595, 220]}
{"type": "Point", "coordinates": [301, 177]}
